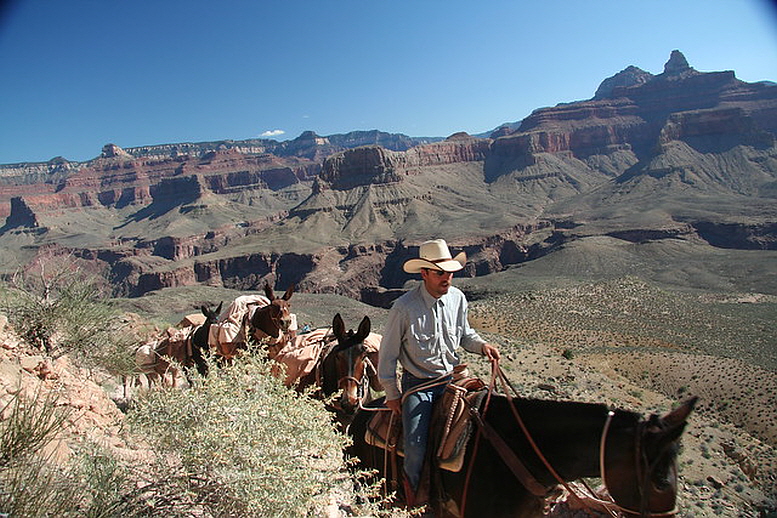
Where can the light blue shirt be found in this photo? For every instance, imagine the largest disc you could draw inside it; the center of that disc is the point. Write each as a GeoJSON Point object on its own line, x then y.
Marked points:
{"type": "Point", "coordinates": [423, 334]}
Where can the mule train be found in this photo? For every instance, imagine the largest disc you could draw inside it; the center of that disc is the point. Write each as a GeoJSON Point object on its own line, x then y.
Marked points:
{"type": "Point", "coordinates": [323, 361]}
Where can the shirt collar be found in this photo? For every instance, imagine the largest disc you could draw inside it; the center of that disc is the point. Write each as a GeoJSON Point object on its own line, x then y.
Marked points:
{"type": "Point", "coordinates": [429, 301]}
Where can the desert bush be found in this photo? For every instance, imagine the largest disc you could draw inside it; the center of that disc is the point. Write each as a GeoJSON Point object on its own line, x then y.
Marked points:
{"type": "Point", "coordinates": [31, 485]}
{"type": "Point", "coordinates": [92, 483]}
{"type": "Point", "coordinates": [246, 445]}
{"type": "Point", "coordinates": [61, 310]}
{"type": "Point", "coordinates": [28, 425]}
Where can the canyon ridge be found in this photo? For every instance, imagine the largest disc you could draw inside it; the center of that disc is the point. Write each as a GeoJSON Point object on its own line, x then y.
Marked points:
{"type": "Point", "coordinates": [678, 157]}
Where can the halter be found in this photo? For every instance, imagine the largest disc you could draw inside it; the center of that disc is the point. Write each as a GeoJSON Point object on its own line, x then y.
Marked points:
{"type": "Point", "coordinates": [642, 478]}
{"type": "Point", "coordinates": [609, 505]}
{"type": "Point", "coordinates": [361, 385]}
{"type": "Point", "coordinates": [276, 321]}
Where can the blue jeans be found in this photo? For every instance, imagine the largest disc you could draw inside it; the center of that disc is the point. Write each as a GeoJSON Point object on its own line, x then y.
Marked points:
{"type": "Point", "coordinates": [416, 417]}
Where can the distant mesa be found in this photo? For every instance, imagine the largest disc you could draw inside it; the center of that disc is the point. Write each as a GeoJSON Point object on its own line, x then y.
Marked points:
{"type": "Point", "coordinates": [461, 135]}
{"type": "Point", "coordinates": [58, 160]}
{"type": "Point", "coordinates": [22, 216]}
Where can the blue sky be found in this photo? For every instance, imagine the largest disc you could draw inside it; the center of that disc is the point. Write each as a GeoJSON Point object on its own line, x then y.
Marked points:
{"type": "Point", "coordinates": [78, 74]}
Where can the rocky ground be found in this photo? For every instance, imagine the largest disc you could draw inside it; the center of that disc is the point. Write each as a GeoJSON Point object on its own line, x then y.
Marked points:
{"type": "Point", "coordinates": [87, 395]}
{"type": "Point", "coordinates": [728, 464]}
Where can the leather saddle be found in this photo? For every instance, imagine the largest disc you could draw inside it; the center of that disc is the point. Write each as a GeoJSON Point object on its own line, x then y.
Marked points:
{"type": "Point", "coordinates": [451, 426]}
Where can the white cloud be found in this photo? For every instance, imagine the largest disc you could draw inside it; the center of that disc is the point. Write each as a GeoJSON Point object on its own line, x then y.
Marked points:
{"type": "Point", "coordinates": [272, 133]}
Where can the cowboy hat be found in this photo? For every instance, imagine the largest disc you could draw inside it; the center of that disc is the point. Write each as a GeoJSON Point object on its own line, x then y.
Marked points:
{"type": "Point", "coordinates": [434, 254]}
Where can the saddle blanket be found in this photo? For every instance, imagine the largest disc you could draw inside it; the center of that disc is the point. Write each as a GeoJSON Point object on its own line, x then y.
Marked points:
{"type": "Point", "coordinates": [302, 354]}
{"type": "Point", "coordinates": [229, 328]}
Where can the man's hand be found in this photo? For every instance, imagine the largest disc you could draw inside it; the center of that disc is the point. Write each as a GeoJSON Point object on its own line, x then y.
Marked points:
{"type": "Point", "coordinates": [395, 405]}
{"type": "Point", "coordinates": [490, 352]}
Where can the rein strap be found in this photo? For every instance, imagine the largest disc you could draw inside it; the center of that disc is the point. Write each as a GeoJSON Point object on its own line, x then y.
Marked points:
{"type": "Point", "coordinates": [509, 457]}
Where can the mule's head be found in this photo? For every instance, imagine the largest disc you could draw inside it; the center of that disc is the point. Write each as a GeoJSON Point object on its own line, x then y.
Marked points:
{"type": "Point", "coordinates": [211, 315]}
{"type": "Point", "coordinates": [276, 316]}
{"type": "Point", "coordinates": [346, 367]}
{"type": "Point", "coordinates": [644, 481]}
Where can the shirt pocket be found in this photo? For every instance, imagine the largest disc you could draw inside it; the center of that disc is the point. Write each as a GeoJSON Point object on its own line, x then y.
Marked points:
{"type": "Point", "coordinates": [422, 331]}
{"type": "Point", "coordinates": [452, 332]}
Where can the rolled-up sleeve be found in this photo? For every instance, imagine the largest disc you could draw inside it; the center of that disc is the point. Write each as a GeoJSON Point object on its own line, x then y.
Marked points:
{"type": "Point", "coordinates": [470, 339]}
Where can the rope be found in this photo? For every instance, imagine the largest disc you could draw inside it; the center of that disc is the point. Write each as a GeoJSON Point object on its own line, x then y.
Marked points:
{"type": "Point", "coordinates": [478, 434]}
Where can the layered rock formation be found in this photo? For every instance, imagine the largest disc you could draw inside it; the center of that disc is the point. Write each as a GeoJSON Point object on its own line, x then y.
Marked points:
{"type": "Point", "coordinates": [678, 155]}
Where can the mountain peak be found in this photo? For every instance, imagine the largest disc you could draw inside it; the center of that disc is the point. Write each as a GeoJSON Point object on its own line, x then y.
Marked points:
{"type": "Point", "coordinates": [629, 76]}
{"type": "Point", "coordinates": [677, 64]}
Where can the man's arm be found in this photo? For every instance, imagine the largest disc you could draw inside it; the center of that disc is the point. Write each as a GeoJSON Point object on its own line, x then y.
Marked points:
{"type": "Point", "coordinates": [389, 354]}
{"type": "Point", "coordinates": [471, 340]}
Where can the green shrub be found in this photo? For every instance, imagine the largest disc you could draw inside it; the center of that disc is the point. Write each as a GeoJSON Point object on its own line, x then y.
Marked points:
{"type": "Point", "coordinates": [245, 444]}
{"type": "Point", "coordinates": [32, 423]}
{"type": "Point", "coordinates": [29, 484]}
{"type": "Point", "coordinates": [60, 309]}
{"type": "Point", "coordinates": [91, 484]}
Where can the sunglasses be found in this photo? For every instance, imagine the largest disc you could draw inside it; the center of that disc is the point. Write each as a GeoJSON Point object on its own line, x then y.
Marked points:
{"type": "Point", "coordinates": [438, 273]}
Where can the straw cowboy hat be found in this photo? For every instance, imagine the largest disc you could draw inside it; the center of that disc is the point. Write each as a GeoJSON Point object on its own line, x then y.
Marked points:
{"type": "Point", "coordinates": [434, 254]}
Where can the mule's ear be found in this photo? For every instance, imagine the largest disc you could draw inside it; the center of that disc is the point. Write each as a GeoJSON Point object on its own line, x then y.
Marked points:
{"type": "Point", "coordinates": [669, 428]}
{"type": "Point", "coordinates": [204, 310]}
{"type": "Point", "coordinates": [338, 327]}
{"type": "Point", "coordinates": [269, 291]}
{"type": "Point", "coordinates": [289, 292]}
{"type": "Point", "coordinates": [364, 329]}
{"type": "Point", "coordinates": [218, 309]}
{"type": "Point", "coordinates": [679, 415]}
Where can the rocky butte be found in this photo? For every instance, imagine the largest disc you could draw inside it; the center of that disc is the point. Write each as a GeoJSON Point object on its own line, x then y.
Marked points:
{"type": "Point", "coordinates": [678, 155]}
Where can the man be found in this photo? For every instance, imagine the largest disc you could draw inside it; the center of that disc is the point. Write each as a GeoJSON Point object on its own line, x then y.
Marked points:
{"type": "Point", "coordinates": [424, 330]}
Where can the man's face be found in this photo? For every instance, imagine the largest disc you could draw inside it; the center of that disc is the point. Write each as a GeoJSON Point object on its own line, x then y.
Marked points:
{"type": "Point", "coordinates": [437, 282]}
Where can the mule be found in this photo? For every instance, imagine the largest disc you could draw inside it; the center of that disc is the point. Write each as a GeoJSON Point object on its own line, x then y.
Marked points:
{"type": "Point", "coordinates": [266, 319]}
{"type": "Point", "coordinates": [522, 449]}
{"type": "Point", "coordinates": [160, 359]}
{"type": "Point", "coordinates": [200, 337]}
{"type": "Point", "coordinates": [347, 365]}
{"type": "Point", "coordinates": [271, 323]}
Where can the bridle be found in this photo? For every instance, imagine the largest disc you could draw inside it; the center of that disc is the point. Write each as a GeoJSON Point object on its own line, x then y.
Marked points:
{"type": "Point", "coordinates": [362, 385]}
{"type": "Point", "coordinates": [588, 501]}
{"type": "Point", "coordinates": [275, 314]}
{"type": "Point", "coordinates": [643, 476]}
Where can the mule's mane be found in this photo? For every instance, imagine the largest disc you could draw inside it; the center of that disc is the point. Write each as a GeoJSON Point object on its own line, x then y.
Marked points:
{"type": "Point", "coordinates": [573, 409]}
{"type": "Point", "coordinates": [539, 414]}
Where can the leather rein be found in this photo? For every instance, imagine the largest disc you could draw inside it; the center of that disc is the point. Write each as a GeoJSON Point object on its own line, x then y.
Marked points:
{"type": "Point", "coordinates": [522, 473]}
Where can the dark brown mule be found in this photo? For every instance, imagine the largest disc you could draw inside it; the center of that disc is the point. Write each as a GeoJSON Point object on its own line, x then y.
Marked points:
{"type": "Point", "coordinates": [161, 358]}
{"type": "Point", "coordinates": [200, 345]}
{"type": "Point", "coordinates": [637, 458]}
{"type": "Point", "coordinates": [347, 365]}
{"type": "Point", "coordinates": [272, 322]}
